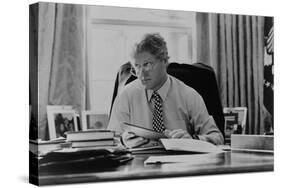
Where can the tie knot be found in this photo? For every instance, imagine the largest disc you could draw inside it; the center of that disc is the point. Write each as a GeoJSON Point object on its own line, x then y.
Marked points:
{"type": "Point", "coordinates": [156, 96]}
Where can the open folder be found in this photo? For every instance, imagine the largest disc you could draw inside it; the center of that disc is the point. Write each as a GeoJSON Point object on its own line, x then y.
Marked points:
{"type": "Point", "coordinates": [142, 131]}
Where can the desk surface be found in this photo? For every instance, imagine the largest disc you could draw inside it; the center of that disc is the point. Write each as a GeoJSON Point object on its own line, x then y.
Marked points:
{"type": "Point", "coordinates": [199, 164]}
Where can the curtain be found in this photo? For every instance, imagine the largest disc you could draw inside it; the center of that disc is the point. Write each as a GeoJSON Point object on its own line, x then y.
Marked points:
{"type": "Point", "coordinates": [61, 59]}
{"type": "Point", "coordinates": [33, 71]}
{"type": "Point", "coordinates": [269, 73]}
{"type": "Point", "coordinates": [234, 46]}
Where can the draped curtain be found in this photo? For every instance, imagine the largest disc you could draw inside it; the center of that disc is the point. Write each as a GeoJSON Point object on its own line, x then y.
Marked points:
{"type": "Point", "coordinates": [61, 59]}
{"type": "Point", "coordinates": [234, 46]}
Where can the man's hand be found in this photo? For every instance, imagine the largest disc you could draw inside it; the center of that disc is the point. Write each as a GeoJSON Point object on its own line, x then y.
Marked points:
{"type": "Point", "coordinates": [130, 140]}
{"type": "Point", "coordinates": [178, 133]}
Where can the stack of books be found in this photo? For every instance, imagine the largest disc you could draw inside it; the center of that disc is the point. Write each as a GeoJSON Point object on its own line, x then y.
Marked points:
{"type": "Point", "coordinates": [41, 147]}
{"type": "Point", "coordinates": [91, 138]}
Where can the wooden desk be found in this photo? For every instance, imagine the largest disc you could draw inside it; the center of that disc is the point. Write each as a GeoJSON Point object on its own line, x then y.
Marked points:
{"type": "Point", "coordinates": [202, 164]}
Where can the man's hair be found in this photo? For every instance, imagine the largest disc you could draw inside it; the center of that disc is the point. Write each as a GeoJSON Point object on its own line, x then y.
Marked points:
{"type": "Point", "coordinates": [154, 44]}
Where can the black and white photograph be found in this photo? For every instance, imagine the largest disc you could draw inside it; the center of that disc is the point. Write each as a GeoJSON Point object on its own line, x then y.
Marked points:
{"type": "Point", "coordinates": [94, 120]}
{"type": "Point", "coordinates": [241, 113]}
{"type": "Point", "coordinates": [61, 119]}
{"type": "Point", "coordinates": [63, 123]}
{"type": "Point", "coordinates": [159, 93]}
{"type": "Point", "coordinates": [231, 126]}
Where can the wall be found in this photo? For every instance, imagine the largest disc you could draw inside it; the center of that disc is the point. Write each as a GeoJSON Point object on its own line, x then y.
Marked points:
{"type": "Point", "coordinates": [112, 33]}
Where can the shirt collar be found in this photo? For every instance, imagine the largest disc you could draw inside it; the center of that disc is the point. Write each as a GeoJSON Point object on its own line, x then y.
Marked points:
{"type": "Point", "coordinates": [163, 91]}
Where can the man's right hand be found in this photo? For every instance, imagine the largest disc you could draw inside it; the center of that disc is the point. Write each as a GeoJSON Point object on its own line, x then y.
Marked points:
{"type": "Point", "coordinates": [130, 140]}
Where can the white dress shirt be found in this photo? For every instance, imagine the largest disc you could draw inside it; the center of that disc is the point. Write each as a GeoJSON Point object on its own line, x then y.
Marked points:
{"type": "Point", "coordinates": [183, 108]}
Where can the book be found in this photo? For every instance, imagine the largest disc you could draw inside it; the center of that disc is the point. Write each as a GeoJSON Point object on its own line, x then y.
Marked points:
{"type": "Point", "coordinates": [41, 147]}
{"type": "Point", "coordinates": [89, 135]}
{"type": "Point", "coordinates": [152, 147]}
{"type": "Point", "coordinates": [93, 143]}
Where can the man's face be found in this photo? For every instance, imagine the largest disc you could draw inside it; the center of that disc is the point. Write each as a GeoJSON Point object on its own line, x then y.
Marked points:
{"type": "Point", "coordinates": [150, 70]}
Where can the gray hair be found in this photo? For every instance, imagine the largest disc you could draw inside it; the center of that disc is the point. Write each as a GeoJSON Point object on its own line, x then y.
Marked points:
{"type": "Point", "coordinates": [154, 44]}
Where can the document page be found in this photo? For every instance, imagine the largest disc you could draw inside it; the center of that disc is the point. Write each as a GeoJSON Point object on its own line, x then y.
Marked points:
{"type": "Point", "coordinates": [190, 145]}
{"type": "Point", "coordinates": [206, 152]}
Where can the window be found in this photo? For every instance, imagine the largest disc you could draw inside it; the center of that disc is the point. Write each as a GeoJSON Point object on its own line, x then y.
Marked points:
{"type": "Point", "coordinates": [111, 36]}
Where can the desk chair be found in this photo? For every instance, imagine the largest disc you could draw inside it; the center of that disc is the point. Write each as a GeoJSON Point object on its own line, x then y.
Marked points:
{"type": "Point", "coordinates": [199, 76]}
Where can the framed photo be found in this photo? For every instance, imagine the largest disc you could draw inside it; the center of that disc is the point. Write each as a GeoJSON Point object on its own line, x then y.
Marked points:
{"type": "Point", "coordinates": [242, 115]}
{"type": "Point", "coordinates": [60, 120]}
{"type": "Point", "coordinates": [235, 121]}
{"type": "Point", "coordinates": [231, 126]}
{"type": "Point", "coordinates": [94, 120]}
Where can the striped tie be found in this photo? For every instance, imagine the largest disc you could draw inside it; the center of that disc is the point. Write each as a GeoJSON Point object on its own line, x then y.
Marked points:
{"type": "Point", "coordinates": [157, 121]}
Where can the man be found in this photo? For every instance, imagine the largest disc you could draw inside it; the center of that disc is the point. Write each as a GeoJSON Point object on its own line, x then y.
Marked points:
{"type": "Point", "coordinates": [159, 101]}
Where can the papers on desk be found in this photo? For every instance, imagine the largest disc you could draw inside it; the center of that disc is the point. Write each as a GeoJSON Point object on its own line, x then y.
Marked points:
{"type": "Point", "coordinates": [190, 145]}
